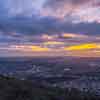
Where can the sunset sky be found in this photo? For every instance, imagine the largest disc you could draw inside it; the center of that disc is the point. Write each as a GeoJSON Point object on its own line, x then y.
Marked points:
{"type": "Point", "coordinates": [50, 28]}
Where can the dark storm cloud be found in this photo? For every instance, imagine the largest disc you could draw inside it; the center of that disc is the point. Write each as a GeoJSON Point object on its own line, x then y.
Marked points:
{"type": "Point", "coordinates": [30, 26]}
{"type": "Point", "coordinates": [25, 25]}
{"type": "Point", "coordinates": [88, 28]}
{"type": "Point", "coordinates": [44, 25]}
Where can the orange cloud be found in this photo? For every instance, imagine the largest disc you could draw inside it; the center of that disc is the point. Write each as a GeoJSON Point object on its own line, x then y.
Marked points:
{"type": "Point", "coordinates": [28, 48]}
{"type": "Point", "coordinates": [84, 50]}
{"type": "Point", "coordinates": [39, 49]}
{"type": "Point", "coordinates": [72, 35]}
{"type": "Point", "coordinates": [45, 36]}
{"type": "Point", "coordinates": [53, 43]}
{"type": "Point", "coordinates": [82, 47]}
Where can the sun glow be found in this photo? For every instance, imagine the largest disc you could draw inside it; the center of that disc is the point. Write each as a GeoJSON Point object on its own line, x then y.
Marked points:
{"type": "Point", "coordinates": [82, 47]}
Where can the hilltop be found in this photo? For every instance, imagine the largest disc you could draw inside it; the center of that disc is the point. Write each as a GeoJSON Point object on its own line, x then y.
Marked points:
{"type": "Point", "coordinates": [14, 89]}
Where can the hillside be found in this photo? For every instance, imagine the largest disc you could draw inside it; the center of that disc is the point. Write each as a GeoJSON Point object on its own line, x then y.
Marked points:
{"type": "Point", "coordinates": [14, 89]}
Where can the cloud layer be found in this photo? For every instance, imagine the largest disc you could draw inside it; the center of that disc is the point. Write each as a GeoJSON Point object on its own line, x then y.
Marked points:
{"type": "Point", "coordinates": [50, 26]}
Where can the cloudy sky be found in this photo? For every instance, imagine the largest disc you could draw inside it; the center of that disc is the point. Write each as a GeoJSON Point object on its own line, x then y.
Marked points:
{"type": "Point", "coordinates": [50, 28]}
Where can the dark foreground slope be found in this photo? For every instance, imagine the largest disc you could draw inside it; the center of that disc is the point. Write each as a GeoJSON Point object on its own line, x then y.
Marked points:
{"type": "Point", "coordinates": [14, 89]}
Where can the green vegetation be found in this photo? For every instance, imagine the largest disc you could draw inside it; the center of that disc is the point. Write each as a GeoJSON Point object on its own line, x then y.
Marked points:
{"type": "Point", "coordinates": [14, 89]}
